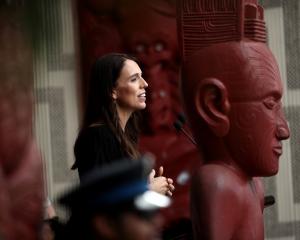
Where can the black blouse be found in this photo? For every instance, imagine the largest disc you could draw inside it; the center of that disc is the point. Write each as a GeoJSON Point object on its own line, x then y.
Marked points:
{"type": "Point", "coordinates": [96, 146]}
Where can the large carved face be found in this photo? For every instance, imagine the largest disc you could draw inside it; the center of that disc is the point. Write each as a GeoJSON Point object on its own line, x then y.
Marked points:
{"type": "Point", "coordinates": [257, 123]}
{"type": "Point", "coordinates": [149, 32]}
{"type": "Point", "coordinates": [247, 116]}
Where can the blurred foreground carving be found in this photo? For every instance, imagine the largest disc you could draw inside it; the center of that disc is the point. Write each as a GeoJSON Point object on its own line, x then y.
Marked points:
{"type": "Point", "coordinates": [21, 181]}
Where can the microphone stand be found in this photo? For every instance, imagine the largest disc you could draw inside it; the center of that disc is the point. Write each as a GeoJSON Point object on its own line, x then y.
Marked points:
{"type": "Point", "coordinates": [178, 126]}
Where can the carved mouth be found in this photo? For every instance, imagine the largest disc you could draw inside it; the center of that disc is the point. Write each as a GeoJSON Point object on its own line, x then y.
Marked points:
{"type": "Point", "coordinates": [277, 150]}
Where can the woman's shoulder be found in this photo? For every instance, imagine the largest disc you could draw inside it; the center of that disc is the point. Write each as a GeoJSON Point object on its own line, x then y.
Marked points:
{"type": "Point", "coordinates": [98, 131]}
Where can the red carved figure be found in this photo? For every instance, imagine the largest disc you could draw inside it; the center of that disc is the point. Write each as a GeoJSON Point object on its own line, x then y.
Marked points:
{"type": "Point", "coordinates": [153, 41]}
{"type": "Point", "coordinates": [98, 32]}
{"type": "Point", "coordinates": [21, 180]}
{"type": "Point", "coordinates": [232, 93]}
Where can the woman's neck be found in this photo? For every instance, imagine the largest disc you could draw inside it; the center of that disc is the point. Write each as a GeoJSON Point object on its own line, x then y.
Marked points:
{"type": "Point", "coordinates": [123, 117]}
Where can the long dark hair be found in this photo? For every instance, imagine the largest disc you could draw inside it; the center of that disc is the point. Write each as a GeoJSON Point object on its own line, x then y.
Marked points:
{"type": "Point", "coordinates": [101, 107]}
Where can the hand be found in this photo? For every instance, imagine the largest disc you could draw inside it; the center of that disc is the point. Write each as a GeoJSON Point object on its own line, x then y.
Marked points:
{"type": "Point", "coordinates": [49, 211]}
{"type": "Point", "coordinates": [160, 183]}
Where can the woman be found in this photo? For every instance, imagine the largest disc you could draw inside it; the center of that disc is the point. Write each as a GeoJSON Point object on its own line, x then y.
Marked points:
{"type": "Point", "coordinates": [109, 131]}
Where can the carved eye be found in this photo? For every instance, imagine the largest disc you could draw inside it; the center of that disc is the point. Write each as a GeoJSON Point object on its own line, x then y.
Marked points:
{"type": "Point", "coordinates": [270, 103]}
{"type": "Point", "coordinates": [159, 47]}
{"type": "Point", "coordinates": [140, 48]}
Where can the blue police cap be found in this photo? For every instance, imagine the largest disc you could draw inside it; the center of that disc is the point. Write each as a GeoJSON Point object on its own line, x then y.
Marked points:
{"type": "Point", "coordinates": [122, 185]}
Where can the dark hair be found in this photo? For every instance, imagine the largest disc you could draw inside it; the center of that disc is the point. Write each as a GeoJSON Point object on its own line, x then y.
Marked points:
{"type": "Point", "coordinates": [101, 107]}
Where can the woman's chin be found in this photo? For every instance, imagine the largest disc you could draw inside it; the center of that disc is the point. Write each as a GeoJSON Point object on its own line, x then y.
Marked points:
{"type": "Point", "coordinates": [142, 106]}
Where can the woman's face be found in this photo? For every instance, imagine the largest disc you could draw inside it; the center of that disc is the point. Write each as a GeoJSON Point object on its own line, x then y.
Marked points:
{"type": "Point", "coordinates": [130, 92]}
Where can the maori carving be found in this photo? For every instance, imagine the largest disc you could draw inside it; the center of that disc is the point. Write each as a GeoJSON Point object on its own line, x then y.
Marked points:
{"type": "Point", "coordinates": [220, 21]}
{"type": "Point", "coordinates": [21, 180]}
{"type": "Point", "coordinates": [153, 41]}
{"type": "Point", "coordinates": [98, 33]}
{"type": "Point", "coordinates": [232, 93]}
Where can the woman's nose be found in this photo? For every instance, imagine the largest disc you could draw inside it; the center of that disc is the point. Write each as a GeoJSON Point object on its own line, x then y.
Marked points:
{"type": "Point", "coordinates": [144, 83]}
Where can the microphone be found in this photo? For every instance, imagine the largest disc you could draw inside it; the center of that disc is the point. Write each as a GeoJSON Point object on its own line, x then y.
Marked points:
{"type": "Point", "coordinates": [181, 118]}
{"type": "Point", "coordinates": [269, 201]}
{"type": "Point", "coordinates": [178, 126]}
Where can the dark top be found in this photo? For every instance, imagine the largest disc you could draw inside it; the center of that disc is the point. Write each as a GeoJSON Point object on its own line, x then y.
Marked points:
{"type": "Point", "coordinates": [96, 146]}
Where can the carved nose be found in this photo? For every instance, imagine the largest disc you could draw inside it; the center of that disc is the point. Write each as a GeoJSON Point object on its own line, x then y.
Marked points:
{"type": "Point", "coordinates": [283, 132]}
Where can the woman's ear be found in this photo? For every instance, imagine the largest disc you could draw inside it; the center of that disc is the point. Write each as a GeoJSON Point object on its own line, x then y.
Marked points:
{"type": "Point", "coordinates": [213, 106]}
{"type": "Point", "coordinates": [114, 94]}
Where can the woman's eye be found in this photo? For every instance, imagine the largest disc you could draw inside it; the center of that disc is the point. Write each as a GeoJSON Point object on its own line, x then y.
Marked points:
{"type": "Point", "coordinates": [270, 103]}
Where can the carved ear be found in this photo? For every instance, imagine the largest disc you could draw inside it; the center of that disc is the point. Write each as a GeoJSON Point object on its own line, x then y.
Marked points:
{"type": "Point", "coordinates": [213, 106]}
